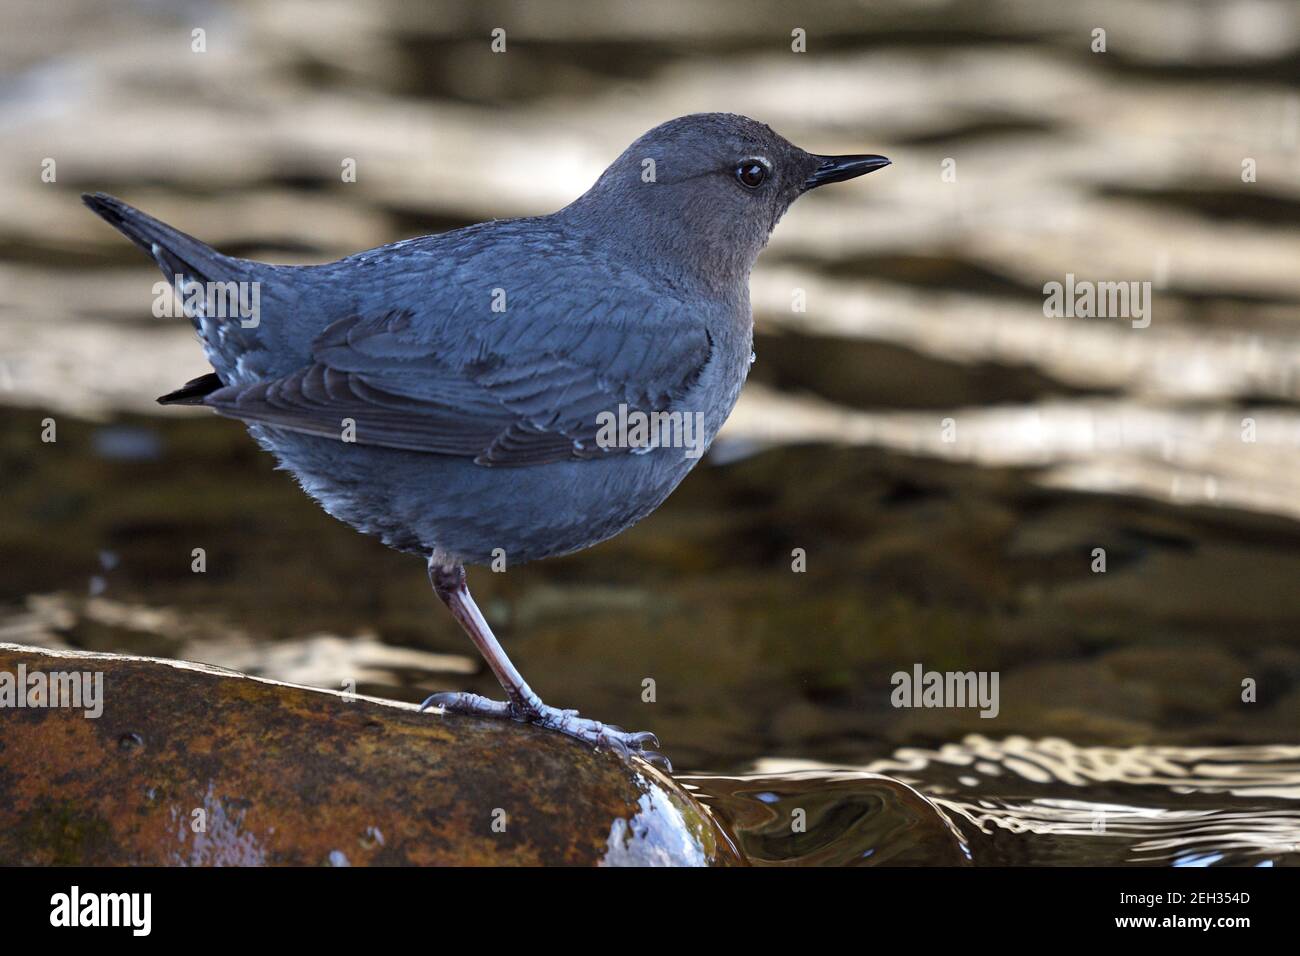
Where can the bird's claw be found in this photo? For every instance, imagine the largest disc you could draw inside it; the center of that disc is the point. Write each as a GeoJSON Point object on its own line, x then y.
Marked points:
{"type": "Point", "coordinates": [567, 722]}
{"type": "Point", "coordinates": [459, 702]}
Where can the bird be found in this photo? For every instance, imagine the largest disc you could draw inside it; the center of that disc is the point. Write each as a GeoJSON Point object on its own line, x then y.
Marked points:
{"type": "Point", "coordinates": [455, 394]}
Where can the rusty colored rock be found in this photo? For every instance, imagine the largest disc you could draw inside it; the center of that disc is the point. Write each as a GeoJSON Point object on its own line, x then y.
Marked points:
{"type": "Point", "coordinates": [190, 765]}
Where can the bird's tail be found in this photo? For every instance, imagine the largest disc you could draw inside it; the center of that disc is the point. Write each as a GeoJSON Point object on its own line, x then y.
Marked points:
{"type": "Point", "coordinates": [227, 336]}
{"type": "Point", "coordinates": [176, 253]}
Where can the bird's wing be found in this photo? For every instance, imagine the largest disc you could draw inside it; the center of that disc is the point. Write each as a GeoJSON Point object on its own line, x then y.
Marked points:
{"type": "Point", "coordinates": [499, 391]}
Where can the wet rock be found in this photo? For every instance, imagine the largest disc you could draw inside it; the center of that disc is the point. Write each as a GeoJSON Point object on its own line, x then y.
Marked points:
{"type": "Point", "coordinates": [189, 765]}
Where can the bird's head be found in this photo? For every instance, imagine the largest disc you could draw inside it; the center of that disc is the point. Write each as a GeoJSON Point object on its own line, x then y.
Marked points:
{"type": "Point", "coordinates": [705, 191]}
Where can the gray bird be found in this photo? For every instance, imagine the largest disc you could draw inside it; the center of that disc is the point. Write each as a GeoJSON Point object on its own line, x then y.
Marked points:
{"type": "Point", "coordinates": [455, 394]}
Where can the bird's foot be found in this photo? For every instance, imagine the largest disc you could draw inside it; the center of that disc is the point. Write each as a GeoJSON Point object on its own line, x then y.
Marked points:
{"type": "Point", "coordinates": [567, 722]}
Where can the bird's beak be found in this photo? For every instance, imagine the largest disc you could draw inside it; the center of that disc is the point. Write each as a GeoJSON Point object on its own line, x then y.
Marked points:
{"type": "Point", "coordinates": [836, 169]}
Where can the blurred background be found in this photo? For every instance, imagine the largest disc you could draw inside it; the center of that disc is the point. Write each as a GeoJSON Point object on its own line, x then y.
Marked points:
{"type": "Point", "coordinates": [1021, 154]}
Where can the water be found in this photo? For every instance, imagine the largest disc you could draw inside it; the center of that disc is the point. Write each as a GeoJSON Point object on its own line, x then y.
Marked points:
{"type": "Point", "coordinates": [1148, 711]}
{"type": "Point", "coordinates": [831, 818]}
{"type": "Point", "coordinates": [1020, 803]}
{"type": "Point", "coordinates": [787, 691]}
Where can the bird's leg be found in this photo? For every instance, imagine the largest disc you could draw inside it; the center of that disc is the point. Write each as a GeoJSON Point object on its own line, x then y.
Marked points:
{"type": "Point", "coordinates": [521, 703]}
{"type": "Point", "coordinates": [450, 585]}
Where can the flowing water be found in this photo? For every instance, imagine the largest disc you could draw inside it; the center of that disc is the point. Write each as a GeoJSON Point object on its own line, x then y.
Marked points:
{"type": "Point", "coordinates": [1020, 802]}
{"type": "Point", "coordinates": [924, 468]}
{"type": "Point", "coordinates": [786, 690]}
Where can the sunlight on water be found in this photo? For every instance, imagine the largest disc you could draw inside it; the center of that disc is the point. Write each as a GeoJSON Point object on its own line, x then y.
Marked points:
{"type": "Point", "coordinates": [1172, 447]}
{"type": "Point", "coordinates": [1020, 802]}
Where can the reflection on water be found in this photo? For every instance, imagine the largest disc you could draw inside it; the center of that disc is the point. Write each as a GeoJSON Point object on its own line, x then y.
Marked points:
{"type": "Point", "coordinates": [830, 818]}
{"type": "Point", "coordinates": [1173, 448]}
{"type": "Point", "coordinates": [1020, 802]}
{"type": "Point", "coordinates": [784, 676]}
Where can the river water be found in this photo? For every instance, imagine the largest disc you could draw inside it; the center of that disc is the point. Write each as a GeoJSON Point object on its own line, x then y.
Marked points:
{"type": "Point", "coordinates": [924, 468]}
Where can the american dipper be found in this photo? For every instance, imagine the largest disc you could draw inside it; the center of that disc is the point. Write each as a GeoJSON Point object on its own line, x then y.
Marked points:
{"type": "Point", "coordinates": [456, 395]}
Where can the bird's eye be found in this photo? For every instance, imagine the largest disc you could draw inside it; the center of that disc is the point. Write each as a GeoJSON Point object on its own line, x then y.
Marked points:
{"type": "Point", "coordinates": [751, 173]}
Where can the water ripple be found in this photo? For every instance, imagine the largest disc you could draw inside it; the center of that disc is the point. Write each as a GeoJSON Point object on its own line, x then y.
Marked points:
{"type": "Point", "coordinates": [1021, 802]}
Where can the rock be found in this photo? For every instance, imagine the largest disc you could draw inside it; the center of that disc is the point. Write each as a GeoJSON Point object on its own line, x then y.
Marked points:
{"type": "Point", "coordinates": [189, 765]}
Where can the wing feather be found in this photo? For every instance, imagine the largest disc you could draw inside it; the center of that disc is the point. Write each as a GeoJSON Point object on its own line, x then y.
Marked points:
{"type": "Point", "coordinates": [499, 394]}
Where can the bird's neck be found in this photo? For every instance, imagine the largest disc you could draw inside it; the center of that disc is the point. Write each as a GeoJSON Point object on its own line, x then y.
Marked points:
{"type": "Point", "coordinates": [695, 254]}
